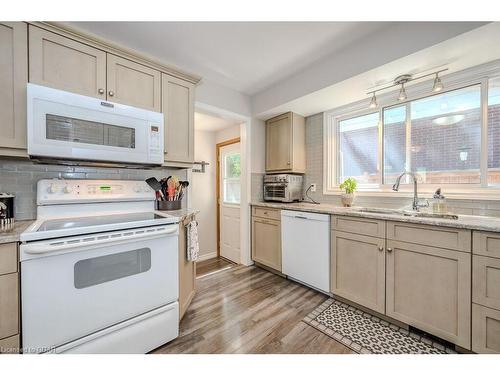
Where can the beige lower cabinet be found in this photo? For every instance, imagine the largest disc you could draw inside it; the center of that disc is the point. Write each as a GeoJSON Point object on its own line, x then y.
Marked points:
{"type": "Point", "coordinates": [9, 304]}
{"type": "Point", "coordinates": [430, 288]}
{"type": "Point", "coordinates": [10, 345]}
{"type": "Point", "coordinates": [486, 281]}
{"type": "Point", "coordinates": [187, 273]}
{"type": "Point", "coordinates": [266, 242]}
{"type": "Point", "coordinates": [358, 269]}
{"type": "Point", "coordinates": [485, 329]}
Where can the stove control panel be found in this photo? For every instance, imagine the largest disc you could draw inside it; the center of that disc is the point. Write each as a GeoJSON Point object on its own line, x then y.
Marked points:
{"type": "Point", "coordinates": [80, 191]}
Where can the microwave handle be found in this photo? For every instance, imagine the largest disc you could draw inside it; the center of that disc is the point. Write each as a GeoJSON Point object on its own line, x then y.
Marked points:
{"type": "Point", "coordinates": [40, 248]}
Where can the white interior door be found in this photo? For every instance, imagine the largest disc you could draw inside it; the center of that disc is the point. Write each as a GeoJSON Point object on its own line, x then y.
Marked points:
{"type": "Point", "coordinates": [229, 206]}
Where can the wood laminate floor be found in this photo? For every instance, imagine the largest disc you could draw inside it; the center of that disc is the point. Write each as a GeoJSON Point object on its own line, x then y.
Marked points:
{"type": "Point", "coordinates": [212, 265]}
{"type": "Point", "coordinates": [250, 310]}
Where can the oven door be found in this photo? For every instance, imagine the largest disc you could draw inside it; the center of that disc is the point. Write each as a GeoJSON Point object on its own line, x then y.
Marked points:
{"type": "Point", "coordinates": [64, 125]}
{"type": "Point", "coordinates": [276, 192]}
{"type": "Point", "coordinates": [75, 286]}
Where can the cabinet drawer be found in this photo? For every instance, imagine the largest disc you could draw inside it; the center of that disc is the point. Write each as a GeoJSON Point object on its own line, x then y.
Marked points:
{"type": "Point", "coordinates": [9, 345]}
{"type": "Point", "coordinates": [9, 305]}
{"type": "Point", "coordinates": [486, 281]}
{"type": "Point", "coordinates": [486, 243]}
{"type": "Point", "coordinates": [358, 225]}
{"type": "Point", "coordinates": [267, 213]}
{"type": "Point", "coordinates": [8, 258]}
{"type": "Point", "coordinates": [485, 330]}
{"type": "Point", "coordinates": [447, 238]}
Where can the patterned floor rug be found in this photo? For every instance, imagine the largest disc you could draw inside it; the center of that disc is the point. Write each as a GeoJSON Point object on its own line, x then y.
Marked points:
{"type": "Point", "coordinates": [365, 333]}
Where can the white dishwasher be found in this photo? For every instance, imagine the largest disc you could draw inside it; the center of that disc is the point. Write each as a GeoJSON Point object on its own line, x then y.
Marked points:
{"type": "Point", "coordinates": [305, 243]}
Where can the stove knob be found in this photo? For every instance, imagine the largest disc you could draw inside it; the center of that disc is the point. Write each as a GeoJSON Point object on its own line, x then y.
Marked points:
{"type": "Point", "coordinates": [52, 189]}
{"type": "Point", "coordinates": [68, 189]}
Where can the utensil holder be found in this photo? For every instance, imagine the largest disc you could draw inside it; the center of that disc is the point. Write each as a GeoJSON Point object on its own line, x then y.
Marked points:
{"type": "Point", "coordinates": [168, 205]}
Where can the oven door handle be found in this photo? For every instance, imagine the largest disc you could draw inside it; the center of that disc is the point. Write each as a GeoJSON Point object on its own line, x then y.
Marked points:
{"type": "Point", "coordinates": [97, 239]}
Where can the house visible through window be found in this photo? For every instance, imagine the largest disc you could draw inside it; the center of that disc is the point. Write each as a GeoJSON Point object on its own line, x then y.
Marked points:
{"type": "Point", "coordinates": [443, 138]}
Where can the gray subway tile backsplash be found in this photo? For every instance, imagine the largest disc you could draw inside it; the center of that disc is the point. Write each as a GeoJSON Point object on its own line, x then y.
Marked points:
{"type": "Point", "coordinates": [21, 176]}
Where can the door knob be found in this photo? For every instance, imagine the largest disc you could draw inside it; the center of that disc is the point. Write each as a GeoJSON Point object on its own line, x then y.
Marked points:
{"type": "Point", "coordinates": [111, 93]}
{"type": "Point", "coordinates": [100, 91]}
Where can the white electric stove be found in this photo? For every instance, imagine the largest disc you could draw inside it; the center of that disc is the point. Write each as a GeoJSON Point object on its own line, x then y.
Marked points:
{"type": "Point", "coordinates": [99, 269]}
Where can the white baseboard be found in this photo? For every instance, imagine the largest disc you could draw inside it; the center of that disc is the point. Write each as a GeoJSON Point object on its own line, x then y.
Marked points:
{"type": "Point", "coordinates": [207, 256]}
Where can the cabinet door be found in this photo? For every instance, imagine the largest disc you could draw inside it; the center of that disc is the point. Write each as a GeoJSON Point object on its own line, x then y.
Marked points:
{"type": "Point", "coordinates": [486, 281]}
{"type": "Point", "coordinates": [279, 143]}
{"type": "Point", "coordinates": [266, 242]}
{"type": "Point", "coordinates": [13, 79]}
{"type": "Point", "coordinates": [133, 84]}
{"type": "Point", "coordinates": [358, 269]}
{"type": "Point", "coordinates": [187, 274]}
{"type": "Point", "coordinates": [9, 305]}
{"type": "Point", "coordinates": [430, 288]}
{"type": "Point", "coordinates": [485, 330]}
{"type": "Point", "coordinates": [66, 64]}
{"type": "Point", "coordinates": [178, 112]}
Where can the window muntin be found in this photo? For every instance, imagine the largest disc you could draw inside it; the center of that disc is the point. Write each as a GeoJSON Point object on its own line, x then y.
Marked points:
{"type": "Point", "coordinates": [231, 178]}
{"type": "Point", "coordinates": [494, 131]}
{"type": "Point", "coordinates": [358, 148]}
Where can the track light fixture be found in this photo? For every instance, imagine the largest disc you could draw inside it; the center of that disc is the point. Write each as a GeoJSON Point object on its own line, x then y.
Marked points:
{"type": "Point", "coordinates": [402, 93]}
{"type": "Point", "coordinates": [438, 85]}
{"type": "Point", "coordinates": [373, 102]}
{"type": "Point", "coordinates": [404, 79]}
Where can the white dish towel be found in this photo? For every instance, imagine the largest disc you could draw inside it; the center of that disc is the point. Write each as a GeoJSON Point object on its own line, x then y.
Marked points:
{"type": "Point", "coordinates": [193, 247]}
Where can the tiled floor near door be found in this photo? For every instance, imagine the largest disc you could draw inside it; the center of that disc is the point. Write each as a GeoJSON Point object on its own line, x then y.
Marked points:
{"type": "Point", "coordinates": [249, 310]}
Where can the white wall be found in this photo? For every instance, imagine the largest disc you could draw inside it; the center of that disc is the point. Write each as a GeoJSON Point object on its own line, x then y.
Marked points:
{"type": "Point", "coordinates": [227, 134]}
{"type": "Point", "coordinates": [215, 95]}
{"type": "Point", "coordinates": [203, 195]}
{"type": "Point", "coordinates": [398, 40]}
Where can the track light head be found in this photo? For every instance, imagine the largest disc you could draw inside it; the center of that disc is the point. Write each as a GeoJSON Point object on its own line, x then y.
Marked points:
{"type": "Point", "coordinates": [402, 93]}
{"type": "Point", "coordinates": [373, 102]}
{"type": "Point", "coordinates": [438, 85]}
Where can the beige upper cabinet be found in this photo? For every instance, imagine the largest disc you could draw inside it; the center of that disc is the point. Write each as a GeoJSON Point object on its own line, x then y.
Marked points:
{"type": "Point", "coordinates": [66, 64]}
{"type": "Point", "coordinates": [133, 84]}
{"type": "Point", "coordinates": [13, 79]}
{"type": "Point", "coordinates": [178, 112]}
{"type": "Point", "coordinates": [430, 288]}
{"type": "Point", "coordinates": [285, 144]}
{"type": "Point", "coordinates": [358, 269]}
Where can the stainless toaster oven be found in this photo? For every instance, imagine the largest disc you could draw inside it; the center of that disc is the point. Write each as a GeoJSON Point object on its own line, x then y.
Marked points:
{"type": "Point", "coordinates": [283, 187]}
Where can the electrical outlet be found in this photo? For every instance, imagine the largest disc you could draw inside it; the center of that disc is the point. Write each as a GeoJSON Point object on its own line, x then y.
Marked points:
{"type": "Point", "coordinates": [313, 188]}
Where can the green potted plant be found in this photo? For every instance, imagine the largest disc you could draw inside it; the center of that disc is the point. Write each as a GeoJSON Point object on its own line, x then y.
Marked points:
{"type": "Point", "coordinates": [349, 187]}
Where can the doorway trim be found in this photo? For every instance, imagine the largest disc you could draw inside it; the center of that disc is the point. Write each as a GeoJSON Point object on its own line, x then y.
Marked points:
{"type": "Point", "coordinates": [246, 134]}
{"type": "Point", "coordinates": [218, 146]}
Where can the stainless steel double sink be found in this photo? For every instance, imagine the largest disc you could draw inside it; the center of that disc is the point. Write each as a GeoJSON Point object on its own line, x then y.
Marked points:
{"type": "Point", "coordinates": [403, 212]}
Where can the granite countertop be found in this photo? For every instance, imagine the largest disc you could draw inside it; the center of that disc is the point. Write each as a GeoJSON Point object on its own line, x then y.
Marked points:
{"type": "Point", "coordinates": [13, 234]}
{"type": "Point", "coordinates": [486, 223]}
{"type": "Point", "coordinates": [182, 213]}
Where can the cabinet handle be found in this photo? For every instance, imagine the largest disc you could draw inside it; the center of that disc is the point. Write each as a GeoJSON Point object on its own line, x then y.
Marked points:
{"type": "Point", "coordinates": [381, 248]}
{"type": "Point", "coordinates": [111, 93]}
{"type": "Point", "coordinates": [100, 91]}
{"type": "Point", "coordinates": [389, 249]}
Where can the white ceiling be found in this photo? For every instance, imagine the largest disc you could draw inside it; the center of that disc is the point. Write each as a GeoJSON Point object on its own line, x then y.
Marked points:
{"type": "Point", "coordinates": [245, 56]}
{"type": "Point", "coordinates": [206, 122]}
{"type": "Point", "coordinates": [472, 48]}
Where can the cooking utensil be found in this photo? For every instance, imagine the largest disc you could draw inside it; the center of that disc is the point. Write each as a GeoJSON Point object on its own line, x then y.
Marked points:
{"type": "Point", "coordinates": [155, 185]}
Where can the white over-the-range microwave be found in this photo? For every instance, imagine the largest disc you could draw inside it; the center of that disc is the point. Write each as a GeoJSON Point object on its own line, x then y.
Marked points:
{"type": "Point", "coordinates": [63, 125]}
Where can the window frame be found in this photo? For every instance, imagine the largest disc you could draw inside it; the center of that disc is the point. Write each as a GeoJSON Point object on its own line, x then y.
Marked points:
{"type": "Point", "coordinates": [479, 75]}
